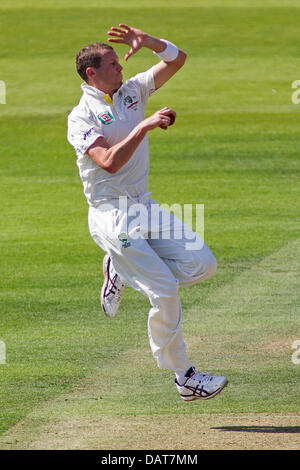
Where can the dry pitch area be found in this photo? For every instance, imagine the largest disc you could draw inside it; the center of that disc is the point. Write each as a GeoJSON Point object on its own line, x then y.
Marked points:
{"type": "Point", "coordinates": [163, 432]}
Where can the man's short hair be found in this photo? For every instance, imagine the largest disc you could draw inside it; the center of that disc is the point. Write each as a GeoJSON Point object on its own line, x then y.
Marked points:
{"type": "Point", "coordinates": [90, 56]}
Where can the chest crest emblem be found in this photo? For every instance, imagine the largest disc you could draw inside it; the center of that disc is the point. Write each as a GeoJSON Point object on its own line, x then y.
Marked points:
{"type": "Point", "coordinates": [131, 102]}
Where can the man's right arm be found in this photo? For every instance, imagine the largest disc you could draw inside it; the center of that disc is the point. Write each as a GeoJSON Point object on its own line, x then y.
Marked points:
{"type": "Point", "coordinates": [111, 159]}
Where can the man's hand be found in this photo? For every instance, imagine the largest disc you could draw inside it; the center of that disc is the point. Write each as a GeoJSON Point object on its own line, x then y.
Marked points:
{"type": "Point", "coordinates": [135, 38]}
{"type": "Point", "coordinates": [163, 118]}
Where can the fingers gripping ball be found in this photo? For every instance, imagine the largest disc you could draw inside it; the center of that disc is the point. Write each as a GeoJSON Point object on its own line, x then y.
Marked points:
{"type": "Point", "coordinates": [172, 120]}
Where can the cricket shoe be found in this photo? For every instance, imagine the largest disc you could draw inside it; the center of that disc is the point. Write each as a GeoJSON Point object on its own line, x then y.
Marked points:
{"type": "Point", "coordinates": [112, 289]}
{"type": "Point", "coordinates": [200, 386]}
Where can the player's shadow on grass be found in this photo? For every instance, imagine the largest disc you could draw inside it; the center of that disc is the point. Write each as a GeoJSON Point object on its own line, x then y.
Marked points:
{"type": "Point", "coordinates": [263, 429]}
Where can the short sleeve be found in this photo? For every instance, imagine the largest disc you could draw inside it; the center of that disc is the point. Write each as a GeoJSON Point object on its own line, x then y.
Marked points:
{"type": "Point", "coordinates": [144, 81]}
{"type": "Point", "coordinates": [82, 132]}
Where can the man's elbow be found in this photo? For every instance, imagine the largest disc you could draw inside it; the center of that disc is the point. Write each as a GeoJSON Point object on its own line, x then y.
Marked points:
{"type": "Point", "coordinates": [105, 159]}
{"type": "Point", "coordinates": [113, 169]}
{"type": "Point", "coordinates": [110, 164]}
{"type": "Point", "coordinates": [110, 167]}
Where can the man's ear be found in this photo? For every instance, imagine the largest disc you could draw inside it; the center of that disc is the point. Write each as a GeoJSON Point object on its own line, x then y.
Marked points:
{"type": "Point", "coordinates": [90, 72]}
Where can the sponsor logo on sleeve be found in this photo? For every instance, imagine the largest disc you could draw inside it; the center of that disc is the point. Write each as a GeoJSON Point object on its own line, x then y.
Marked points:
{"type": "Point", "coordinates": [89, 132]}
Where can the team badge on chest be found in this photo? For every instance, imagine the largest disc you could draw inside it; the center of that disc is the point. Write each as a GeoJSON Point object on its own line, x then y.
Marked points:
{"type": "Point", "coordinates": [131, 102]}
{"type": "Point", "coordinates": [106, 118]}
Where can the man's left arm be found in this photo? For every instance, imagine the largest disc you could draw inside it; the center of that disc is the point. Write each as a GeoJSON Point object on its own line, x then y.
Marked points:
{"type": "Point", "coordinates": [173, 58]}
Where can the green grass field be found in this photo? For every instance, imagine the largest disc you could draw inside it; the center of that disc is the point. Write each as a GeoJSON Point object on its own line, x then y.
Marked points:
{"type": "Point", "coordinates": [75, 379]}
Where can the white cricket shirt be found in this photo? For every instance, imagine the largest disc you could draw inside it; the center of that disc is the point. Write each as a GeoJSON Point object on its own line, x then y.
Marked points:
{"type": "Point", "coordinates": [96, 115]}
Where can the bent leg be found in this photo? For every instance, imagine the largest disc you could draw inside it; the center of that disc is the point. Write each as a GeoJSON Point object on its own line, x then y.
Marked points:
{"type": "Point", "coordinates": [143, 270]}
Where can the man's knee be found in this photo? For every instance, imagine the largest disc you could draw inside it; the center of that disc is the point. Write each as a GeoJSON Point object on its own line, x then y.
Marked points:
{"type": "Point", "coordinates": [202, 266]}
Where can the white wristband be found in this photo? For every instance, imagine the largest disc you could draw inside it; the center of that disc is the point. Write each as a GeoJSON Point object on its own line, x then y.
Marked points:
{"type": "Point", "coordinates": [169, 54]}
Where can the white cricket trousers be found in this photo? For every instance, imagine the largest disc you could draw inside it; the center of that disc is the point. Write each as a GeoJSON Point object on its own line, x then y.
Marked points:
{"type": "Point", "coordinates": [152, 254]}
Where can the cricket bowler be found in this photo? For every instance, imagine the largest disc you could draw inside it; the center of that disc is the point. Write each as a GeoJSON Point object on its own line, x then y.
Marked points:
{"type": "Point", "coordinates": [147, 248]}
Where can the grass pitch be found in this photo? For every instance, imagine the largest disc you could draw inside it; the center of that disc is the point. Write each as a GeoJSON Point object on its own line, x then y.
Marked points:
{"type": "Point", "coordinates": [235, 148]}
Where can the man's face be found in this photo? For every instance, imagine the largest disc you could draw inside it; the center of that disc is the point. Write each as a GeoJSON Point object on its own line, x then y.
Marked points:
{"type": "Point", "coordinates": [109, 74]}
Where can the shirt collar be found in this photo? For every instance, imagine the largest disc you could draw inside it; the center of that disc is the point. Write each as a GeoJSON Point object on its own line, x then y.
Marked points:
{"type": "Point", "coordinates": [92, 91]}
